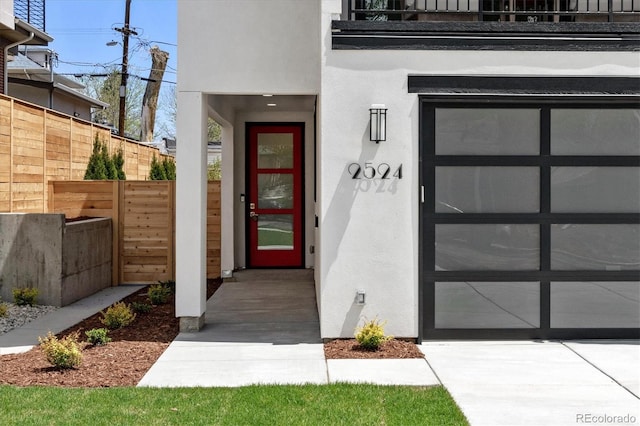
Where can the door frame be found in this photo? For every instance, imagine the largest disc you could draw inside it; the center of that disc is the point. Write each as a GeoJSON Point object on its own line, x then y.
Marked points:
{"type": "Point", "coordinates": [300, 191]}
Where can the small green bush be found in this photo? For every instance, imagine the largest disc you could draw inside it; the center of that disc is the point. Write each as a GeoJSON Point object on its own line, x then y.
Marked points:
{"type": "Point", "coordinates": [118, 315]}
{"type": "Point", "coordinates": [3, 309]}
{"type": "Point", "coordinates": [158, 294]}
{"type": "Point", "coordinates": [25, 296]}
{"type": "Point", "coordinates": [63, 353]}
{"type": "Point", "coordinates": [169, 284]}
{"type": "Point", "coordinates": [98, 336]}
{"type": "Point", "coordinates": [371, 335]}
{"type": "Point", "coordinates": [141, 308]}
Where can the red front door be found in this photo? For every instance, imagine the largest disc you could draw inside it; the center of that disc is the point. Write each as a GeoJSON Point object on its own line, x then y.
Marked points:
{"type": "Point", "coordinates": [274, 213]}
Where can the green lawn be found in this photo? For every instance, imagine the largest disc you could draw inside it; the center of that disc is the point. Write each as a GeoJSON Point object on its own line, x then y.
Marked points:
{"type": "Point", "coordinates": [336, 404]}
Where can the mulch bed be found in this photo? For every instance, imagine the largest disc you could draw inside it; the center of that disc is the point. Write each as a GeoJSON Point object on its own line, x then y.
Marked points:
{"type": "Point", "coordinates": [351, 349]}
{"type": "Point", "coordinates": [122, 362]}
{"type": "Point", "coordinates": [134, 349]}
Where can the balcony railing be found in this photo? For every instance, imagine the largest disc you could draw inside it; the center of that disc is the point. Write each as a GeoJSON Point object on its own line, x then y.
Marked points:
{"type": "Point", "coordinates": [495, 10]}
{"type": "Point", "coordinates": [32, 12]}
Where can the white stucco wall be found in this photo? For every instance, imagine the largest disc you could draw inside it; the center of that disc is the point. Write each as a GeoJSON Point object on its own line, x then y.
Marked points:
{"type": "Point", "coordinates": [6, 14]}
{"type": "Point", "coordinates": [369, 228]}
{"type": "Point", "coordinates": [249, 46]}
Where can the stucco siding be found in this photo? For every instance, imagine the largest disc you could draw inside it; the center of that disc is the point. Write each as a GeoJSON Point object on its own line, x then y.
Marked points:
{"type": "Point", "coordinates": [249, 46]}
{"type": "Point", "coordinates": [369, 227]}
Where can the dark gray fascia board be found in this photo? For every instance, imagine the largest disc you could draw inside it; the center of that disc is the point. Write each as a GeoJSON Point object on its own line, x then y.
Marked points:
{"type": "Point", "coordinates": [564, 86]}
{"type": "Point", "coordinates": [410, 35]}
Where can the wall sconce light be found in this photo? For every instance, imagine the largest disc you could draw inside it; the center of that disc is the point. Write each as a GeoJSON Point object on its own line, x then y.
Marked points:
{"type": "Point", "coordinates": [360, 297]}
{"type": "Point", "coordinates": [378, 123]}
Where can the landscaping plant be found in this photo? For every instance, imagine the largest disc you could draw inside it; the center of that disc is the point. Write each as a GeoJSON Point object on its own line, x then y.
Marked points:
{"type": "Point", "coordinates": [62, 353]}
{"type": "Point", "coordinates": [158, 294]}
{"type": "Point", "coordinates": [118, 315]}
{"type": "Point", "coordinates": [98, 336]}
{"type": "Point", "coordinates": [25, 296]}
{"type": "Point", "coordinates": [141, 308]}
{"type": "Point", "coordinates": [371, 334]}
{"type": "Point", "coordinates": [3, 309]}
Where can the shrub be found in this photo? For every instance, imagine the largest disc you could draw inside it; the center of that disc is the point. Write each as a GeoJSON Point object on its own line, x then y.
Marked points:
{"type": "Point", "coordinates": [158, 294]}
{"type": "Point", "coordinates": [3, 309]}
{"type": "Point", "coordinates": [118, 315]}
{"type": "Point", "coordinates": [141, 308]}
{"type": "Point", "coordinates": [371, 334]}
{"type": "Point", "coordinates": [63, 353]}
{"type": "Point", "coordinates": [170, 285]}
{"type": "Point", "coordinates": [25, 296]}
{"type": "Point", "coordinates": [98, 336]}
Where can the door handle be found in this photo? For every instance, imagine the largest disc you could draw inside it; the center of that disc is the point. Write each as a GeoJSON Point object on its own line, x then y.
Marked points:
{"type": "Point", "coordinates": [254, 216]}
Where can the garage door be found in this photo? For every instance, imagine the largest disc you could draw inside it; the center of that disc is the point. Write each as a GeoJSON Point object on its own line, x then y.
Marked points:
{"type": "Point", "coordinates": [530, 219]}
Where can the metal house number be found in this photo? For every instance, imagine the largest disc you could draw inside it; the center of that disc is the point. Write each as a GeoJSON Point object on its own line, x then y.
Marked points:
{"type": "Point", "coordinates": [370, 171]}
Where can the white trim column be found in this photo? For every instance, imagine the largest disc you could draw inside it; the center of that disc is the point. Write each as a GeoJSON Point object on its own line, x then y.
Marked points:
{"type": "Point", "coordinates": [191, 210]}
{"type": "Point", "coordinates": [227, 203]}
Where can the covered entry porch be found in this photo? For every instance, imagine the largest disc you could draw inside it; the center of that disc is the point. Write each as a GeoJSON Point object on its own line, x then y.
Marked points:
{"type": "Point", "coordinates": [267, 189]}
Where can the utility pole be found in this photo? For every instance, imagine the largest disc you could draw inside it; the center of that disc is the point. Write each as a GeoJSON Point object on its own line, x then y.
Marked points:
{"type": "Point", "coordinates": [126, 31]}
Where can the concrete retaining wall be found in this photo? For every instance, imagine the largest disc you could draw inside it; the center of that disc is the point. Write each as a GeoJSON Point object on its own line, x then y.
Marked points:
{"type": "Point", "coordinates": [65, 262]}
{"type": "Point", "coordinates": [86, 259]}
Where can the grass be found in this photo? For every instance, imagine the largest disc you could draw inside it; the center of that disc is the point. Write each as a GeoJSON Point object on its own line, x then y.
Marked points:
{"type": "Point", "coordinates": [335, 404]}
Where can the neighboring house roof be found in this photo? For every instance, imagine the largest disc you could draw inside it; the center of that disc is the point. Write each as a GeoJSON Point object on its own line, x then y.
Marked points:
{"type": "Point", "coordinates": [28, 71]}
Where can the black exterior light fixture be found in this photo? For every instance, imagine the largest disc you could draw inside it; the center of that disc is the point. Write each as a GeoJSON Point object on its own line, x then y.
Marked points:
{"type": "Point", "coordinates": [378, 123]}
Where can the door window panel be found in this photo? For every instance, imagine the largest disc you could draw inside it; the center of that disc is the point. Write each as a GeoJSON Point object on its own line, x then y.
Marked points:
{"type": "Point", "coordinates": [595, 189]}
{"type": "Point", "coordinates": [275, 150]}
{"type": "Point", "coordinates": [275, 190]}
{"type": "Point", "coordinates": [485, 247]}
{"type": "Point", "coordinates": [487, 131]}
{"type": "Point", "coordinates": [487, 305]}
{"type": "Point", "coordinates": [595, 131]}
{"type": "Point", "coordinates": [595, 304]}
{"type": "Point", "coordinates": [487, 190]}
{"type": "Point", "coordinates": [275, 232]}
{"type": "Point", "coordinates": [595, 247]}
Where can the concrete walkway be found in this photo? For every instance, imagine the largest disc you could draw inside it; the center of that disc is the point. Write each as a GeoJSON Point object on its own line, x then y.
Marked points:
{"type": "Point", "coordinates": [25, 337]}
{"type": "Point", "coordinates": [264, 328]}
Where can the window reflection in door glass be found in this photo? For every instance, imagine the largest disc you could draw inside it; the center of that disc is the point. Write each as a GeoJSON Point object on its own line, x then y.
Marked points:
{"type": "Point", "coordinates": [275, 150]}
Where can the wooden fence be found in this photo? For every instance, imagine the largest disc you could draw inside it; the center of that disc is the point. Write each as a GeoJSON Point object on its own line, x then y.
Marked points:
{"type": "Point", "coordinates": [38, 145]}
{"type": "Point", "coordinates": [143, 217]}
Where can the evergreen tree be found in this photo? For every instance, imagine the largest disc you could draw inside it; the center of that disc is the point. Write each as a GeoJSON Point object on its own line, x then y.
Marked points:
{"type": "Point", "coordinates": [170, 168]}
{"type": "Point", "coordinates": [157, 171]}
{"type": "Point", "coordinates": [96, 169]}
{"type": "Point", "coordinates": [118, 161]}
{"type": "Point", "coordinates": [112, 172]}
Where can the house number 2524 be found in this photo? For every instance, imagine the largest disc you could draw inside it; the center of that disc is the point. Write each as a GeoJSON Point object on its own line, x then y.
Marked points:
{"type": "Point", "coordinates": [369, 170]}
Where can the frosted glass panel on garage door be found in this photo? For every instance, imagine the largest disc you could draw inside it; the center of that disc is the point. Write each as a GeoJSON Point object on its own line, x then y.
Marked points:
{"type": "Point", "coordinates": [487, 190]}
{"type": "Point", "coordinates": [487, 131]}
{"type": "Point", "coordinates": [595, 304]}
{"type": "Point", "coordinates": [487, 247]}
{"type": "Point", "coordinates": [487, 305]}
{"type": "Point", "coordinates": [595, 189]}
{"type": "Point", "coordinates": [595, 247]}
{"type": "Point", "coordinates": [595, 131]}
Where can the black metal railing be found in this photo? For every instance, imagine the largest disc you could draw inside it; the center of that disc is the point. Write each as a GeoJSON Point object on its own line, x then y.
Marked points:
{"type": "Point", "coordinates": [494, 10]}
{"type": "Point", "coordinates": [32, 12]}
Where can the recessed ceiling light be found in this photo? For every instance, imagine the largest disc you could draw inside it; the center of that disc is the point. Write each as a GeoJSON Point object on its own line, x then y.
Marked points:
{"type": "Point", "coordinates": [271, 105]}
{"type": "Point", "coordinates": [266, 95]}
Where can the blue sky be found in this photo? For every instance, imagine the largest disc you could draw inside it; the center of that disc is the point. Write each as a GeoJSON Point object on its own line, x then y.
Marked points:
{"type": "Point", "coordinates": [81, 29]}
